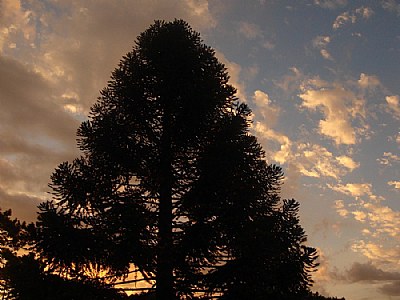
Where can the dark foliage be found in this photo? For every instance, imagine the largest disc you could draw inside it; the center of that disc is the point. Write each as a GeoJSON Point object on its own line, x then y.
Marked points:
{"type": "Point", "coordinates": [171, 187]}
{"type": "Point", "coordinates": [24, 277]}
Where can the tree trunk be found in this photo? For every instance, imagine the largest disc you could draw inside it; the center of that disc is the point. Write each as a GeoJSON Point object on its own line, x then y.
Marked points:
{"type": "Point", "coordinates": [165, 281]}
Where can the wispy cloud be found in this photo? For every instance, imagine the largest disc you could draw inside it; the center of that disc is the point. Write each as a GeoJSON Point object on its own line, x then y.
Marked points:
{"type": "Point", "coordinates": [321, 43]}
{"type": "Point", "coordinates": [356, 190]}
{"type": "Point", "coordinates": [391, 5]}
{"type": "Point", "coordinates": [368, 81]}
{"type": "Point", "coordinates": [249, 30]}
{"type": "Point", "coordinates": [352, 16]}
{"type": "Point", "coordinates": [330, 4]}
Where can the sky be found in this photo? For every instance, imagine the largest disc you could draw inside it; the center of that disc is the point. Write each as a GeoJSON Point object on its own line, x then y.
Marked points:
{"type": "Point", "coordinates": [321, 77]}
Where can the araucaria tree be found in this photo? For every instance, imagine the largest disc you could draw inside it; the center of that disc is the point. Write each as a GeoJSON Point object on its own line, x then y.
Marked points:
{"type": "Point", "coordinates": [172, 185]}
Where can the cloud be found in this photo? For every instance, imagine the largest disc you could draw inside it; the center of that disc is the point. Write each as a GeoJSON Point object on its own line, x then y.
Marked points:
{"type": "Point", "coordinates": [330, 4]}
{"type": "Point", "coordinates": [386, 282]}
{"type": "Point", "coordinates": [364, 12]}
{"type": "Point", "coordinates": [16, 25]}
{"type": "Point", "coordinates": [391, 5]}
{"type": "Point", "coordinates": [378, 253]}
{"type": "Point", "coordinates": [383, 219]}
{"type": "Point", "coordinates": [53, 62]}
{"type": "Point", "coordinates": [343, 19]}
{"type": "Point", "coordinates": [352, 17]}
{"type": "Point", "coordinates": [396, 184]}
{"type": "Point", "coordinates": [391, 289]}
{"type": "Point", "coordinates": [290, 83]}
{"type": "Point", "coordinates": [335, 103]}
{"type": "Point", "coordinates": [284, 152]}
{"type": "Point", "coordinates": [249, 30]}
{"type": "Point", "coordinates": [322, 276]}
{"type": "Point", "coordinates": [316, 161]}
{"type": "Point", "coordinates": [370, 273]}
{"type": "Point", "coordinates": [23, 206]}
{"type": "Point", "coordinates": [28, 104]}
{"type": "Point", "coordinates": [368, 81]}
{"type": "Point", "coordinates": [381, 230]}
{"type": "Point", "coordinates": [265, 109]}
{"type": "Point", "coordinates": [356, 190]}
{"type": "Point", "coordinates": [99, 34]}
{"type": "Point", "coordinates": [321, 43]}
{"type": "Point", "coordinates": [388, 159]}
{"type": "Point", "coordinates": [340, 208]}
{"type": "Point", "coordinates": [235, 72]}
{"type": "Point", "coordinates": [348, 162]}
{"type": "Point", "coordinates": [393, 103]}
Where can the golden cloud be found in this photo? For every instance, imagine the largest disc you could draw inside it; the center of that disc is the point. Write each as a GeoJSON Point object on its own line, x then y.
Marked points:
{"type": "Point", "coordinates": [393, 103]}
{"type": "Point", "coordinates": [335, 103]}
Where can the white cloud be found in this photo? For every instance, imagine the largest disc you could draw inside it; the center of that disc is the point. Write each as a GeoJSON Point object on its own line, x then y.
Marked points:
{"type": "Point", "coordinates": [340, 208]}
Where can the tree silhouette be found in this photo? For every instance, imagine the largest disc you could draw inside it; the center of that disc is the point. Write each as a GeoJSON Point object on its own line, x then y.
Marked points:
{"type": "Point", "coordinates": [172, 187]}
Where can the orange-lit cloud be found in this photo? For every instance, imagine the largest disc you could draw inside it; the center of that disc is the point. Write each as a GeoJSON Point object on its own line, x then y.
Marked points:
{"type": "Point", "coordinates": [393, 103]}
{"type": "Point", "coordinates": [16, 26]}
{"type": "Point", "coordinates": [395, 184]}
{"type": "Point", "coordinates": [368, 81]}
{"type": "Point", "coordinates": [388, 159]}
{"type": "Point", "coordinates": [267, 110]}
{"type": "Point", "coordinates": [356, 190]}
{"type": "Point", "coordinates": [284, 152]}
{"type": "Point", "coordinates": [336, 104]}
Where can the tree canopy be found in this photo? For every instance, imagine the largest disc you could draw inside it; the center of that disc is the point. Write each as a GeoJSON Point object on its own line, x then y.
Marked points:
{"type": "Point", "coordinates": [171, 188]}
